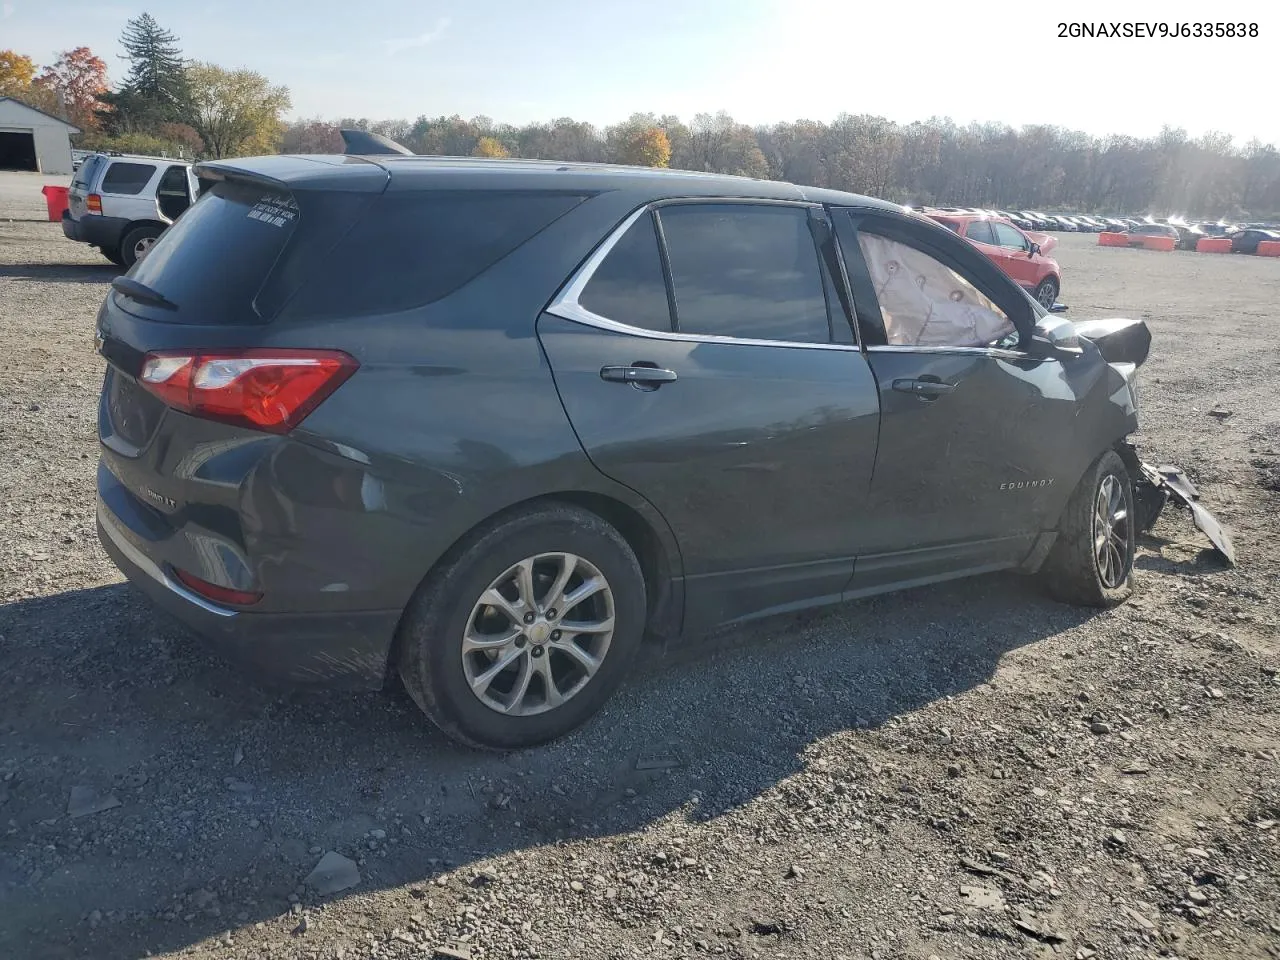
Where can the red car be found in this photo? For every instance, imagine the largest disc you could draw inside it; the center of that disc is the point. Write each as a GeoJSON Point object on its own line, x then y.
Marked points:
{"type": "Point", "coordinates": [1020, 254]}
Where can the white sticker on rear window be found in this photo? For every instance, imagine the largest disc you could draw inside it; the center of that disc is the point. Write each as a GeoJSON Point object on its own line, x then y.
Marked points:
{"type": "Point", "coordinates": [277, 211]}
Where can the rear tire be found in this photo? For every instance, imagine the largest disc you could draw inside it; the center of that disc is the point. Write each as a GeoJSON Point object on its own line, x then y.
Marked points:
{"type": "Point", "coordinates": [136, 242]}
{"type": "Point", "coordinates": [451, 640]}
{"type": "Point", "coordinates": [1092, 560]}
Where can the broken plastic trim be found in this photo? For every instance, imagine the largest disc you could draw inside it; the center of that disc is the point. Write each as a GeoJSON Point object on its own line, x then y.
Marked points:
{"type": "Point", "coordinates": [1155, 486]}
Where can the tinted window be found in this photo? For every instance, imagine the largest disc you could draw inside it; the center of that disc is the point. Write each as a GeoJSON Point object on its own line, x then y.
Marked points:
{"type": "Point", "coordinates": [84, 176]}
{"type": "Point", "coordinates": [1007, 236]}
{"type": "Point", "coordinates": [174, 182]}
{"type": "Point", "coordinates": [745, 271]}
{"type": "Point", "coordinates": [926, 303]}
{"type": "Point", "coordinates": [979, 230]}
{"type": "Point", "coordinates": [127, 178]}
{"type": "Point", "coordinates": [410, 249]}
{"type": "Point", "coordinates": [628, 286]}
{"type": "Point", "coordinates": [214, 259]}
{"type": "Point", "coordinates": [951, 225]}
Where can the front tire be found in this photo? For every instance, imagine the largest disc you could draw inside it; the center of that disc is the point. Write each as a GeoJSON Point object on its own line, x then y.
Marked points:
{"type": "Point", "coordinates": [1047, 292]}
{"type": "Point", "coordinates": [525, 630]}
{"type": "Point", "coordinates": [1092, 560]}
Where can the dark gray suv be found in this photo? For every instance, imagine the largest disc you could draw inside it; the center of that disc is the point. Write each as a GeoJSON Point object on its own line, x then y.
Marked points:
{"type": "Point", "coordinates": [488, 424]}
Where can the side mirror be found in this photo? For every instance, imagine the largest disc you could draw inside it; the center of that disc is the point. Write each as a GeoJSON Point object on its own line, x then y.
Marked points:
{"type": "Point", "coordinates": [1035, 249]}
{"type": "Point", "coordinates": [1055, 339]}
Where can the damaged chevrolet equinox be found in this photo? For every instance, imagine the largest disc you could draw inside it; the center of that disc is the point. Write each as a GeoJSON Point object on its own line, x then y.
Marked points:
{"type": "Point", "coordinates": [487, 425]}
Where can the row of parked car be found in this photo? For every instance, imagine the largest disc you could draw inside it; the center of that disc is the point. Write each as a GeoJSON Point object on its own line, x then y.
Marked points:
{"type": "Point", "coordinates": [1245, 237]}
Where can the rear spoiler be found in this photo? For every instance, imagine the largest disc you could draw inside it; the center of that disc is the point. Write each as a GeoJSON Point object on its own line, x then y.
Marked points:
{"type": "Point", "coordinates": [362, 143]}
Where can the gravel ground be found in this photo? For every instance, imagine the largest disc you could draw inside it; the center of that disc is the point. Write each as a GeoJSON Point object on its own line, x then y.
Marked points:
{"type": "Point", "coordinates": [20, 196]}
{"type": "Point", "coordinates": [968, 770]}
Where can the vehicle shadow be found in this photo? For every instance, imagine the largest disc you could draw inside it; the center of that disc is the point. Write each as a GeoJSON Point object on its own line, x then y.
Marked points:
{"type": "Point", "coordinates": [104, 272]}
{"type": "Point", "coordinates": [229, 791]}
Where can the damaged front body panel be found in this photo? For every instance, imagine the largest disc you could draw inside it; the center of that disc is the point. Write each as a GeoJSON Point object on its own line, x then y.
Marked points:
{"type": "Point", "coordinates": [1154, 487]}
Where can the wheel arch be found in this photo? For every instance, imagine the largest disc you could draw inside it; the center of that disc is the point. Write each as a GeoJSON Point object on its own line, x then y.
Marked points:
{"type": "Point", "coordinates": [652, 542]}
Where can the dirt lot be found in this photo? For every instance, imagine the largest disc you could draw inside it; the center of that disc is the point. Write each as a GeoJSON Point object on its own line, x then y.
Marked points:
{"type": "Point", "coordinates": [961, 771]}
{"type": "Point", "coordinates": [20, 196]}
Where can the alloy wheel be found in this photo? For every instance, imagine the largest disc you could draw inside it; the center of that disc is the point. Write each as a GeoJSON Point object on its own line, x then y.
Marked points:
{"type": "Point", "coordinates": [143, 247]}
{"type": "Point", "coordinates": [1047, 295]}
{"type": "Point", "coordinates": [1111, 533]}
{"type": "Point", "coordinates": [538, 634]}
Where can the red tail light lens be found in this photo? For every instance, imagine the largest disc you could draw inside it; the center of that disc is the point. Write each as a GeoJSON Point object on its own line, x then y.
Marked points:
{"type": "Point", "coordinates": [93, 203]}
{"type": "Point", "coordinates": [211, 591]}
{"type": "Point", "coordinates": [271, 390]}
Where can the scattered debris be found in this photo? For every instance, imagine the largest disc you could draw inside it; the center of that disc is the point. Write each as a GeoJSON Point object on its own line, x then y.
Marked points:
{"type": "Point", "coordinates": [1142, 922]}
{"type": "Point", "coordinates": [1029, 923]}
{"type": "Point", "coordinates": [984, 898]}
{"type": "Point", "coordinates": [333, 874]}
{"type": "Point", "coordinates": [87, 800]}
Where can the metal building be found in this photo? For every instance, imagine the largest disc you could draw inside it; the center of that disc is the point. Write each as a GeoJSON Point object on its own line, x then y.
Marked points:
{"type": "Point", "coordinates": [31, 139]}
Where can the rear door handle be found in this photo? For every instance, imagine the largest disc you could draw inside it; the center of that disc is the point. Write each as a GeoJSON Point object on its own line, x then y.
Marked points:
{"type": "Point", "coordinates": [923, 387]}
{"type": "Point", "coordinates": [639, 373]}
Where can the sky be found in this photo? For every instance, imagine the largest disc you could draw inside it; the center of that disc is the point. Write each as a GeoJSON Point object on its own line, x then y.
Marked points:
{"type": "Point", "coordinates": [763, 61]}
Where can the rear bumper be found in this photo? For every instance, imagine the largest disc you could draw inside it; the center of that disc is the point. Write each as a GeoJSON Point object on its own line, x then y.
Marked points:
{"type": "Point", "coordinates": [102, 232]}
{"type": "Point", "coordinates": [345, 650]}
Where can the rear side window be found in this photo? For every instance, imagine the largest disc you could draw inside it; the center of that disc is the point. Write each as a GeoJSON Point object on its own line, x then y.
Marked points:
{"type": "Point", "coordinates": [979, 230]}
{"type": "Point", "coordinates": [746, 271]}
{"type": "Point", "coordinates": [411, 249]}
{"type": "Point", "coordinates": [127, 178]}
{"type": "Point", "coordinates": [951, 225]}
{"type": "Point", "coordinates": [628, 286]}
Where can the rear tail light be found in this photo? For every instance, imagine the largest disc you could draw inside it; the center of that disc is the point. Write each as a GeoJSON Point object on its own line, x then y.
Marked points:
{"type": "Point", "coordinates": [211, 591]}
{"type": "Point", "coordinates": [93, 203]}
{"type": "Point", "coordinates": [271, 390]}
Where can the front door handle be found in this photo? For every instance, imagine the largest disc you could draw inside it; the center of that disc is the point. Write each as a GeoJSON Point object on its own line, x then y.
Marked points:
{"type": "Point", "coordinates": [926, 388]}
{"type": "Point", "coordinates": [641, 374]}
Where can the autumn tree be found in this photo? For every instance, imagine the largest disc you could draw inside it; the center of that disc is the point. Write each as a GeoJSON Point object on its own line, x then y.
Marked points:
{"type": "Point", "coordinates": [236, 112]}
{"type": "Point", "coordinates": [490, 147]}
{"type": "Point", "coordinates": [77, 78]}
{"type": "Point", "coordinates": [312, 136]}
{"type": "Point", "coordinates": [647, 148]}
{"type": "Point", "coordinates": [16, 73]}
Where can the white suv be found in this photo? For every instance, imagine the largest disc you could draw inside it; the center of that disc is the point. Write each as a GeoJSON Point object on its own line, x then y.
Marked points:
{"type": "Point", "coordinates": [120, 204]}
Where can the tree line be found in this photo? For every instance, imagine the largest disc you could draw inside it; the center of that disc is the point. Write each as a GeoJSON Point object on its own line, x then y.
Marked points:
{"type": "Point", "coordinates": [935, 161]}
{"type": "Point", "coordinates": [167, 104]}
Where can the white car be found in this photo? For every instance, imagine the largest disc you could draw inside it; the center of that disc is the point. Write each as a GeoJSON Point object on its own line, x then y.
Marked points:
{"type": "Point", "coordinates": [121, 204]}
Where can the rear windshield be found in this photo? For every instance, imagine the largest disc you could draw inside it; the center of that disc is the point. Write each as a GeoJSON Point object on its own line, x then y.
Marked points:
{"type": "Point", "coordinates": [213, 261]}
{"type": "Point", "coordinates": [84, 176]}
{"type": "Point", "coordinates": [245, 253]}
{"type": "Point", "coordinates": [949, 224]}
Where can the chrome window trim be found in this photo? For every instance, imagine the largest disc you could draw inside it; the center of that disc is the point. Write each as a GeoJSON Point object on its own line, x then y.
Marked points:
{"type": "Point", "coordinates": [997, 352]}
{"type": "Point", "coordinates": [566, 305]}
